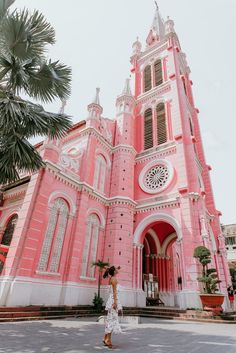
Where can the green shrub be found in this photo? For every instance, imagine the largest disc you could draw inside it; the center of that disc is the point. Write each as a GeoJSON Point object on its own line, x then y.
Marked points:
{"type": "Point", "coordinates": [209, 276]}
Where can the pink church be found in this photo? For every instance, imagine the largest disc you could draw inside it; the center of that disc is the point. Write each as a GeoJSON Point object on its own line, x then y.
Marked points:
{"type": "Point", "coordinates": [133, 191]}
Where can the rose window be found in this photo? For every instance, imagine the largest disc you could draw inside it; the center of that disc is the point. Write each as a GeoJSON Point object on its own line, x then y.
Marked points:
{"type": "Point", "coordinates": [157, 177]}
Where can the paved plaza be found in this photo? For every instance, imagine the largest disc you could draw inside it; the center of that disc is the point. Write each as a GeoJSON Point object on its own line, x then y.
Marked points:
{"type": "Point", "coordinates": [150, 336]}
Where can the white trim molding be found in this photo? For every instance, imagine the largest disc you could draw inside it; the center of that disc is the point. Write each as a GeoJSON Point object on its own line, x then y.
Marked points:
{"type": "Point", "coordinates": [156, 217]}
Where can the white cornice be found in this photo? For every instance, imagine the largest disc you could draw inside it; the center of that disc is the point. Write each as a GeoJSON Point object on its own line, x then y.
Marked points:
{"type": "Point", "coordinates": [15, 192]}
{"type": "Point", "coordinates": [158, 152]}
{"type": "Point", "coordinates": [124, 147]}
{"type": "Point", "coordinates": [169, 203]}
{"type": "Point", "coordinates": [83, 186]}
{"type": "Point", "coordinates": [104, 142]}
{"type": "Point", "coordinates": [155, 92]}
{"type": "Point", "coordinates": [155, 50]}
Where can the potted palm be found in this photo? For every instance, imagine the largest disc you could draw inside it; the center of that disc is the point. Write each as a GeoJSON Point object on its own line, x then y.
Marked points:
{"type": "Point", "coordinates": [98, 301]}
{"type": "Point", "coordinates": [211, 300]}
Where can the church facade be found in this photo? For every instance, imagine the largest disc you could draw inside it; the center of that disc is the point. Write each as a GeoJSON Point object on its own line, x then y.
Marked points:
{"type": "Point", "coordinates": [133, 191]}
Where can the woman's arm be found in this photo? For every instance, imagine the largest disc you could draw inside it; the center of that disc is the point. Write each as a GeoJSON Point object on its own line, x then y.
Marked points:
{"type": "Point", "coordinates": [114, 287]}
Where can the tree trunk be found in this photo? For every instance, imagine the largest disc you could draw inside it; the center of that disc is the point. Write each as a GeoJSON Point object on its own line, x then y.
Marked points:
{"type": "Point", "coordinates": [99, 284]}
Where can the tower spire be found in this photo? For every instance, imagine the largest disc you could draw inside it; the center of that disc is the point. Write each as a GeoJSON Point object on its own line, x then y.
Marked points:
{"type": "Point", "coordinates": [127, 89]}
{"type": "Point", "coordinates": [96, 98]}
{"type": "Point", "coordinates": [157, 31]}
{"type": "Point", "coordinates": [94, 108]}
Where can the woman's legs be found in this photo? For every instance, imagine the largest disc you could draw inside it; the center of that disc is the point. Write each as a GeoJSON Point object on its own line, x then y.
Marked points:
{"type": "Point", "coordinates": [108, 329]}
{"type": "Point", "coordinates": [108, 341]}
{"type": "Point", "coordinates": [105, 337]}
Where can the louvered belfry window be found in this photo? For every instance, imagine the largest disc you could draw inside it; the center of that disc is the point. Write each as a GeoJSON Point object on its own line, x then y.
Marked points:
{"type": "Point", "coordinates": [147, 78]}
{"type": "Point", "coordinates": [148, 133]}
{"type": "Point", "coordinates": [161, 124]}
{"type": "Point", "coordinates": [158, 73]}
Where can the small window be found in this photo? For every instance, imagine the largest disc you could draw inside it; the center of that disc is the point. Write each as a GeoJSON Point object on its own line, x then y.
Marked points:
{"type": "Point", "coordinates": [161, 124]}
{"type": "Point", "coordinates": [100, 173]}
{"type": "Point", "coordinates": [148, 133]}
{"type": "Point", "coordinates": [184, 84]}
{"type": "Point", "coordinates": [147, 78]}
{"type": "Point", "coordinates": [191, 126]}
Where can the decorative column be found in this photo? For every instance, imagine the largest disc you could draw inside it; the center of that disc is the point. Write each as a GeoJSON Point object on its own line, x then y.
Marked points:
{"type": "Point", "coordinates": [164, 272]}
{"type": "Point", "coordinates": [169, 122]}
{"type": "Point", "coordinates": [153, 264]}
{"type": "Point", "coordinates": [138, 266]}
{"type": "Point", "coordinates": [147, 263]}
{"type": "Point", "coordinates": [154, 125]}
{"type": "Point", "coordinates": [167, 273]}
{"type": "Point", "coordinates": [161, 274]}
{"type": "Point", "coordinates": [164, 65]}
{"type": "Point", "coordinates": [142, 81]}
{"type": "Point", "coordinates": [141, 266]}
{"type": "Point", "coordinates": [158, 268]}
{"type": "Point", "coordinates": [135, 266]}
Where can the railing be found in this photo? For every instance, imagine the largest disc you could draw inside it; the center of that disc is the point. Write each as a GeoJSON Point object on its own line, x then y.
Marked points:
{"type": "Point", "coordinates": [151, 289]}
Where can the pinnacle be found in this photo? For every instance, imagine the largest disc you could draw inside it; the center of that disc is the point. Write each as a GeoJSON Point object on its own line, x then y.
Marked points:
{"type": "Point", "coordinates": [127, 89]}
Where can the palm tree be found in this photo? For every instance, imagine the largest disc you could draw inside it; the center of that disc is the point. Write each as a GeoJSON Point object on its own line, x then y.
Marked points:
{"type": "Point", "coordinates": [24, 70]}
{"type": "Point", "coordinates": [101, 266]}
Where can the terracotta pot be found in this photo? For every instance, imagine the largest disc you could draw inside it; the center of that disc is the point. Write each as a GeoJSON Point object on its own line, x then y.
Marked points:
{"type": "Point", "coordinates": [212, 302]}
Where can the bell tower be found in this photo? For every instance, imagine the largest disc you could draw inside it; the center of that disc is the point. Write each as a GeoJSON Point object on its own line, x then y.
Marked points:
{"type": "Point", "coordinates": [175, 209]}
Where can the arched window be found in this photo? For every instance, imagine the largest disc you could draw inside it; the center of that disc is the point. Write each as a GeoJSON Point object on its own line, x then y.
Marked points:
{"type": "Point", "coordinates": [161, 124]}
{"type": "Point", "coordinates": [158, 73]}
{"type": "Point", "coordinates": [54, 237]}
{"type": "Point", "coordinates": [90, 246]}
{"type": "Point", "coordinates": [147, 78]}
{"type": "Point", "coordinates": [8, 233]}
{"type": "Point", "coordinates": [148, 133]}
{"type": "Point", "coordinates": [100, 173]}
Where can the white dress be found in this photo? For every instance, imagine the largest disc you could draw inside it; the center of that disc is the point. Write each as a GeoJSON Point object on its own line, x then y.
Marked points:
{"type": "Point", "coordinates": [112, 324]}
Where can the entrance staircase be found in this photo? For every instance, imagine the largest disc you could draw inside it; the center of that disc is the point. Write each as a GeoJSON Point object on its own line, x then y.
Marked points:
{"type": "Point", "coordinates": [61, 312]}
{"type": "Point", "coordinates": [45, 312]}
{"type": "Point", "coordinates": [156, 312]}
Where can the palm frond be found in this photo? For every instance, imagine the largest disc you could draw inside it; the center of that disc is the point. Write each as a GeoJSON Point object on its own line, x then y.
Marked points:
{"type": "Point", "coordinates": [25, 36]}
{"type": "Point", "coordinates": [27, 119]}
{"type": "Point", "coordinates": [17, 155]}
{"type": "Point", "coordinates": [100, 264]}
{"type": "Point", "coordinates": [52, 80]}
{"type": "Point", "coordinates": [4, 5]}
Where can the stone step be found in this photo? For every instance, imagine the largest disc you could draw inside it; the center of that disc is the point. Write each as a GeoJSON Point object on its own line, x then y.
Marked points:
{"type": "Point", "coordinates": [158, 309]}
{"type": "Point", "coordinates": [45, 308]}
{"type": "Point", "coordinates": [152, 313]}
{"type": "Point", "coordinates": [158, 316]}
{"type": "Point", "coordinates": [205, 320]}
{"type": "Point", "coordinates": [29, 318]}
{"type": "Point", "coordinates": [46, 313]}
{"type": "Point", "coordinates": [50, 317]}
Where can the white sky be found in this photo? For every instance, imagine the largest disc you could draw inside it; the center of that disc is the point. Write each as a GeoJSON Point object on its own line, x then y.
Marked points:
{"type": "Point", "coordinates": [95, 38]}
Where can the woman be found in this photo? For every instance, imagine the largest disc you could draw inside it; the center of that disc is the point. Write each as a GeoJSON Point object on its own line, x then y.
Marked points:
{"type": "Point", "coordinates": [230, 291]}
{"type": "Point", "coordinates": [113, 306]}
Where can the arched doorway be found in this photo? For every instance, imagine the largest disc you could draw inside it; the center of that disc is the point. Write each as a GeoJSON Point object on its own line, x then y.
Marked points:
{"type": "Point", "coordinates": [6, 239]}
{"type": "Point", "coordinates": [158, 251]}
{"type": "Point", "coordinates": [159, 255]}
